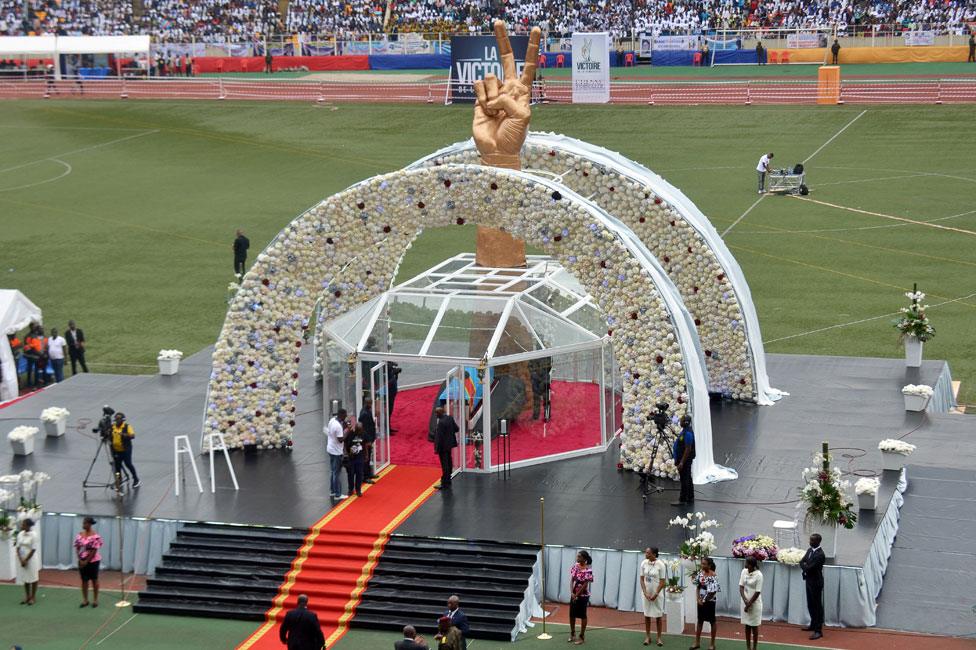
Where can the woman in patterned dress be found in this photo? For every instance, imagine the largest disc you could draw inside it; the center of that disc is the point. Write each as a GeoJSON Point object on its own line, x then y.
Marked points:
{"type": "Point", "coordinates": [580, 576]}
{"type": "Point", "coordinates": [706, 582]}
{"type": "Point", "coordinates": [87, 543]}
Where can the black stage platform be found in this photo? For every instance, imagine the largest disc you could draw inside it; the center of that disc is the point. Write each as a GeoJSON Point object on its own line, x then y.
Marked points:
{"type": "Point", "coordinates": [851, 402]}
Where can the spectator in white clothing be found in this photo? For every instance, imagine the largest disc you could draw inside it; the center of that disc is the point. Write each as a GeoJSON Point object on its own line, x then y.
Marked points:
{"type": "Point", "coordinates": [335, 433]}
{"type": "Point", "coordinates": [762, 168]}
{"type": "Point", "coordinates": [55, 352]}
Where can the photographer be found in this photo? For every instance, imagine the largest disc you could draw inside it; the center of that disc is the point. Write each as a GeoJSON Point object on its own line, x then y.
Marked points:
{"type": "Point", "coordinates": [122, 435]}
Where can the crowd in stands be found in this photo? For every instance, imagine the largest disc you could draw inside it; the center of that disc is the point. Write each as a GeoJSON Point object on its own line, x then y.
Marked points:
{"type": "Point", "coordinates": [230, 21]}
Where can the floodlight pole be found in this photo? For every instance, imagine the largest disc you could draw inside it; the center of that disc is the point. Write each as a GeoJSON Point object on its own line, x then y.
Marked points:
{"type": "Point", "coordinates": [542, 542]}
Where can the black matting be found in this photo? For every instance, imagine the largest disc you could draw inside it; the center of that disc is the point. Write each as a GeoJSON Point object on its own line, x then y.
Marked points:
{"type": "Point", "coordinates": [851, 402]}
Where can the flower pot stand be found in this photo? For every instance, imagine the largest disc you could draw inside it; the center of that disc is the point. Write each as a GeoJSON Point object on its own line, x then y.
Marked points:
{"type": "Point", "coordinates": [829, 540]}
{"type": "Point", "coordinates": [168, 366]}
{"type": "Point", "coordinates": [916, 402]}
{"type": "Point", "coordinates": [56, 428]}
{"type": "Point", "coordinates": [691, 599]}
{"type": "Point", "coordinates": [24, 448]}
{"type": "Point", "coordinates": [8, 568]}
{"type": "Point", "coordinates": [913, 352]}
{"type": "Point", "coordinates": [674, 609]}
{"type": "Point", "coordinates": [867, 501]}
{"type": "Point", "coordinates": [893, 461]}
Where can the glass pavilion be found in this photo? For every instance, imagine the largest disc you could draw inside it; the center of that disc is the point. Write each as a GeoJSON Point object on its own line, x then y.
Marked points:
{"type": "Point", "coordinates": [519, 357]}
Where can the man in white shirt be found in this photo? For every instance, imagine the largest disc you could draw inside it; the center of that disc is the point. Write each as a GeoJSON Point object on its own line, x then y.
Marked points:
{"type": "Point", "coordinates": [335, 433]}
{"type": "Point", "coordinates": [652, 576]}
{"type": "Point", "coordinates": [762, 168]}
{"type": "Point", "coordinates": [55, 352]}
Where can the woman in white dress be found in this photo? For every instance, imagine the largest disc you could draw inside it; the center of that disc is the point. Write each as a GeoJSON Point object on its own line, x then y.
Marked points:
{"type": "Point", "coordinates": [652, 575]}
{"type": "Point", "coordinates": [750, 609]}
{"type": "Point", "coordinates": [28, 561]}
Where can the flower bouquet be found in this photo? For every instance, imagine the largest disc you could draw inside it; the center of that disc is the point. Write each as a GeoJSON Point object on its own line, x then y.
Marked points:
{"type": "Point", "coordinates": [169, 361]}
{"type": "Point", "coordinates": [866, 490]}
{"type": "Point", "coordinates": [55, 418]}
{"type": "Point", "coordinates": [825, 495]}
{"type": "Point", "coordinates": [790, 556]}
{"type": "Point", "coordinates": [917, 397]}
{"type": "Point", "coordinates": [760, 547]}
{"type": "Point", "coordinates": [22, 440]}
{"type": "Point", "coordinates": [692, 551]}
{"type": "Point", "coordinates": [914, 327]}
{"type": "Point", "coordinates": [674, 599]}
{"type": "Point", "coordinates": [894, 453]}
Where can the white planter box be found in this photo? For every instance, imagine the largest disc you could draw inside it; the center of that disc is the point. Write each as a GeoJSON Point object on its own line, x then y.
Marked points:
{"type": "Point", "coordinates": [8, 568]}
{"type": "Point", "coordinates": [893, 461]}
{"type": "Point", "coordinates": [915, 402]}
{"type": "Point", "coordinates": [674, 610]}
{"type": "Point", "coordinates": [24, 448]}
{"type": "Point", "coordinates": [55, 429]}
{"type": "Point", "coordinates": [690, 596]}
{"type": "Point", "coordinates": [168, 366]}
{"type": "Point", "coordinates": [913, 352]}
{"type": "Point", "coordinates": [867, 501]}
{"type": "Point", "coordinates": [829, 540]}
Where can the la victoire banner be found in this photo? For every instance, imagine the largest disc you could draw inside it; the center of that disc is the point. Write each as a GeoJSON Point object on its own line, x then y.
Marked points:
{"type": "Point", "coordinates": [591, 68]}
{"type": "Point", "coordinates": [473, 57]}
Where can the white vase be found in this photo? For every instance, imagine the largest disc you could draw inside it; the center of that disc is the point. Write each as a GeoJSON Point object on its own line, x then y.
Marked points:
{"type": "Point", "coordinates": [24, 448]}
{"type": "Point", "coordinates": [690, 597]}
{"type": "Point", "coordinates": [56, 428]}
{"type": "Point", "coordinates": [915, 402]}
{"type": "Point", "coordinates": [8, 570]}
{"type": "Point", "coordinates": [828, 540]}
{"type": "Point", "coordinates": [893, 461]}
{"type": "Point", "coordinates": [913, 352]}
{"type": "Point", "coordinates": [674, 609]}
{"type": "Point", "coordinates": [168, 366]}
{"type": "Point", "coordinates": [867, 501]}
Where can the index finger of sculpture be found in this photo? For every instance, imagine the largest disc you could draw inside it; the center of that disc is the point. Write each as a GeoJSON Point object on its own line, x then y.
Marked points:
{"type": "Point", "coordinates": [531, 57]}
{"type": "Point", "coordinates": [505, 53]}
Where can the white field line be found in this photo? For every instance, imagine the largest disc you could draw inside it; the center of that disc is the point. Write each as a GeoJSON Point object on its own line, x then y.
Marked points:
{"type": "Point", "coordinates": [834, 137]}
{"type": "Point", "coordinates": [858, 322]}
{"type": "Point", "coordinates": [82, 150]}
{"type": "Point", "coordinates": [819, 230]}
{"type": "Point", "coordinates": [926, 224]}
{"type": "Point", "coordinates": [126, 622]}
{"type": "Point", "coordinates": [743, 215]}
{"type": "Point", "coordinates": [67, 171]}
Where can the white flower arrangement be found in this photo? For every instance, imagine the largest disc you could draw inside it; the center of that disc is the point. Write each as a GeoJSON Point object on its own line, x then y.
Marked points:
{"type": "Point", "coordinates": [22, 434]}
{"type": "Point", "coordinates": [29, 483]}
{"type": "Point", "coordinates": [790, 556]}
{"type": "Point", "coordinates": [895, 446]}
{"type": "Point", "coordinates": [701, 544]}
{"type": "Point", "coordinates": [683, 252]}
{"type": "Point", "coordinates": [54, 413]}
{"type": "Point", "coordinates": [921, 390]}
{"type": "Point", "coordinates": [867, 486]}
{"type": "Point", "coordinates": [364, 231]}
{"type": "Point", "coordinates": [170, 354]}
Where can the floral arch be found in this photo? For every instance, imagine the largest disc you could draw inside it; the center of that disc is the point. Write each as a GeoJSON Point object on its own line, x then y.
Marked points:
{"type": "Point", "coordinates": [345, 250]}
{"type": "Point", "coordinates": [710, 281]}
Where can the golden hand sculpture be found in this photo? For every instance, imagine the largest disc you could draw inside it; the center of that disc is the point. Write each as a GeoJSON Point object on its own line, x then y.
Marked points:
{"type": "Point", "coordinates": [501, 113]}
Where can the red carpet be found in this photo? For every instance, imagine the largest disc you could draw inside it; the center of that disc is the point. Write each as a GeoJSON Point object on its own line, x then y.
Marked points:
{"type": "Point", "coordinates": [342, 549]}
{"type": "Point", "coordinates": [575, 424]}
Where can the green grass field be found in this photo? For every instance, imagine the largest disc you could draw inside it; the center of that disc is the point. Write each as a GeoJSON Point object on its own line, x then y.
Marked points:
{"type": "Point", "coordinates": [56, 623]}
{"type": "Point", "coordinates": [121, 215]}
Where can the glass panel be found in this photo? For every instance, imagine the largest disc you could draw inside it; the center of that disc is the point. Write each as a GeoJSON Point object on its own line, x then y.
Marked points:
{"type": "Point", "coordinates": [517, 336]}
{"type": "Point", "coordinates": [467, 327]}
{"type": "Point", "coordinates": [452, 266]}
{"type": "Point", "coordinates": [457, 407]}
{"type": "Point", "coordinates": [379, 391]}
{"type": "Point", "coordinates": [337, 382]}
{"type": "Point", "coordinates": [552, 297]}
{"type": "Point", "coordinates": [349, 327]}
{"type": "Point", "coordinates": [569, 281]}
{"type": "Point", "coordinates": [551, 331]}
{"type": "Point", "coordinates": [590, 318]}
{"type": "Point", "coordinates": [404, 325]}
{"type": "Point", "coordinates": [549, 404]}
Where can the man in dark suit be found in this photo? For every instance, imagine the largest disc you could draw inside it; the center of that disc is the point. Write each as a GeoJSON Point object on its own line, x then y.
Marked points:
{"type": "Point", "coordinates": [458, 618]}
{"type": "Point", "coordinates": [368, 423]}
{"type": "Point", "coordinates": [76, 347]}
{"type": "Point", "coordinates": [410, 640]}
{"type": "Point", "coordinates": [812, 566]}
{"type": "Point", "coordinates": [445, 440]}
{"type": "Point", "coordinates": [241, 244]}
{"type": "Point", "coordinates": [301, 630]}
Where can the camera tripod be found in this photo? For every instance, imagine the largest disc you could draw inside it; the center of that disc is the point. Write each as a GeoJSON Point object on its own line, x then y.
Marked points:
{"type": "Point", "coordinates": [120, 480]}
{"type": "Point", "coordinates": [648, 484]}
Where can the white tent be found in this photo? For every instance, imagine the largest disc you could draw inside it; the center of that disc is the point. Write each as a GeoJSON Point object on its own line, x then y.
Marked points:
{"type": "Point", "coordinates": [16, 313]}
{"type": "Point", "coordinates": [54, 46]}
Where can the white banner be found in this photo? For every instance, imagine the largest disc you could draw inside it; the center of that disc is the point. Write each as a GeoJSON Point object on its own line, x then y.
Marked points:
{"type": "Point", "coordinates": [677, 42]}
{"type": "Point", "coordinates": [591, 68]}
{"type": "Point", "coordinates": [801, 41]}
{"type": "Point", "coordinates": [920, 38]}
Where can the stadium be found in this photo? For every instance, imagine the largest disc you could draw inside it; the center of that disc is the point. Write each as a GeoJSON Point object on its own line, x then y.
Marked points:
{"type": "Point", "coordinates": [477, 323]}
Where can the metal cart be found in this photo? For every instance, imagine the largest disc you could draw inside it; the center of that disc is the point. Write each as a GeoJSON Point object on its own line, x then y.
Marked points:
{"type": "Point", "coordinates": [784, 181]}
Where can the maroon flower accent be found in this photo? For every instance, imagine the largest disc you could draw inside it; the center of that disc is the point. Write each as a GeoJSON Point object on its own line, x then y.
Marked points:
{"type": "Point", "coordinates": [673, 222]}
{"type": "Point", "coordinates": [611, 188]}
{"type": "Point", "coordinates": [642, 219]}
{"type": "Point", "coordinates": [266, 282]}
{"type": "Point", "coordinates": [695, 289]}
{"type": "Point", "coordinates": [298, 359]}
{"type": "Point", "coordinates": [294, 375]}
{"type": "Point", "coordinates": [291, 423]}
{"type": "Point", "coordinates": [681, 400]}
{"type": "Point", "coordinates": [659, 201]}
{"type": "Point", "coordinates": [666, 259]}
{"type": "Point", "coordinates": [743, 381]}
{"type": "Point", "coordinates": [250, 362]}
{"type": "Point", "coordinates": [557, 238]}
{"type": "Point", "coordinates": [460, 221]}
{"type": "Point", "coordinates": [552, 153]}
{"type": "Point", "coordinates": [708, 353]}
{"type": "Point", "coordinates": [603, 264]}
{"type": "Point", "coordinates": [659, 359]}
{"type": "Point", "coordinates": [721, 276]}
{"type": "Point", "coordinates": [294, 392]}
{"type": "Point", "coordinates": [298, 344]}
{"type": "Point", "coordinates": [387, 229]}
{"type": "Point", "coordinates": [494, 186]}
{"type": "Point", "coordinates": [609, 332]}
{"type": "Point", "coordinates": [697, 322]}
{"type": "Point", "coordinates": [447, 182]}
{"type": "Point", "coordinates": [254, 384]}
{"type": "Point", "coordinates": [257, 414]}
{"type": "Point", "coordinates": [689, 249]}
{"type": "Point", "coordinates": [329, 240]}
{"type": "Point", "coordinates": [636, 375]}
{"type": "Point", "coordinates": [585, 174]}
{"type": "Point", "coordinates": [633, 315]}
{"type": "Point", "coordinates": [231, 423]}
{"type": "Point", "coordinates": [360, 205]}
{"type": "Point", "coordinates": [421, 205]}
{"type": "Point", "coordinates": [277, 329]}
{"type": "Point", "coordinates": [338, 294]}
